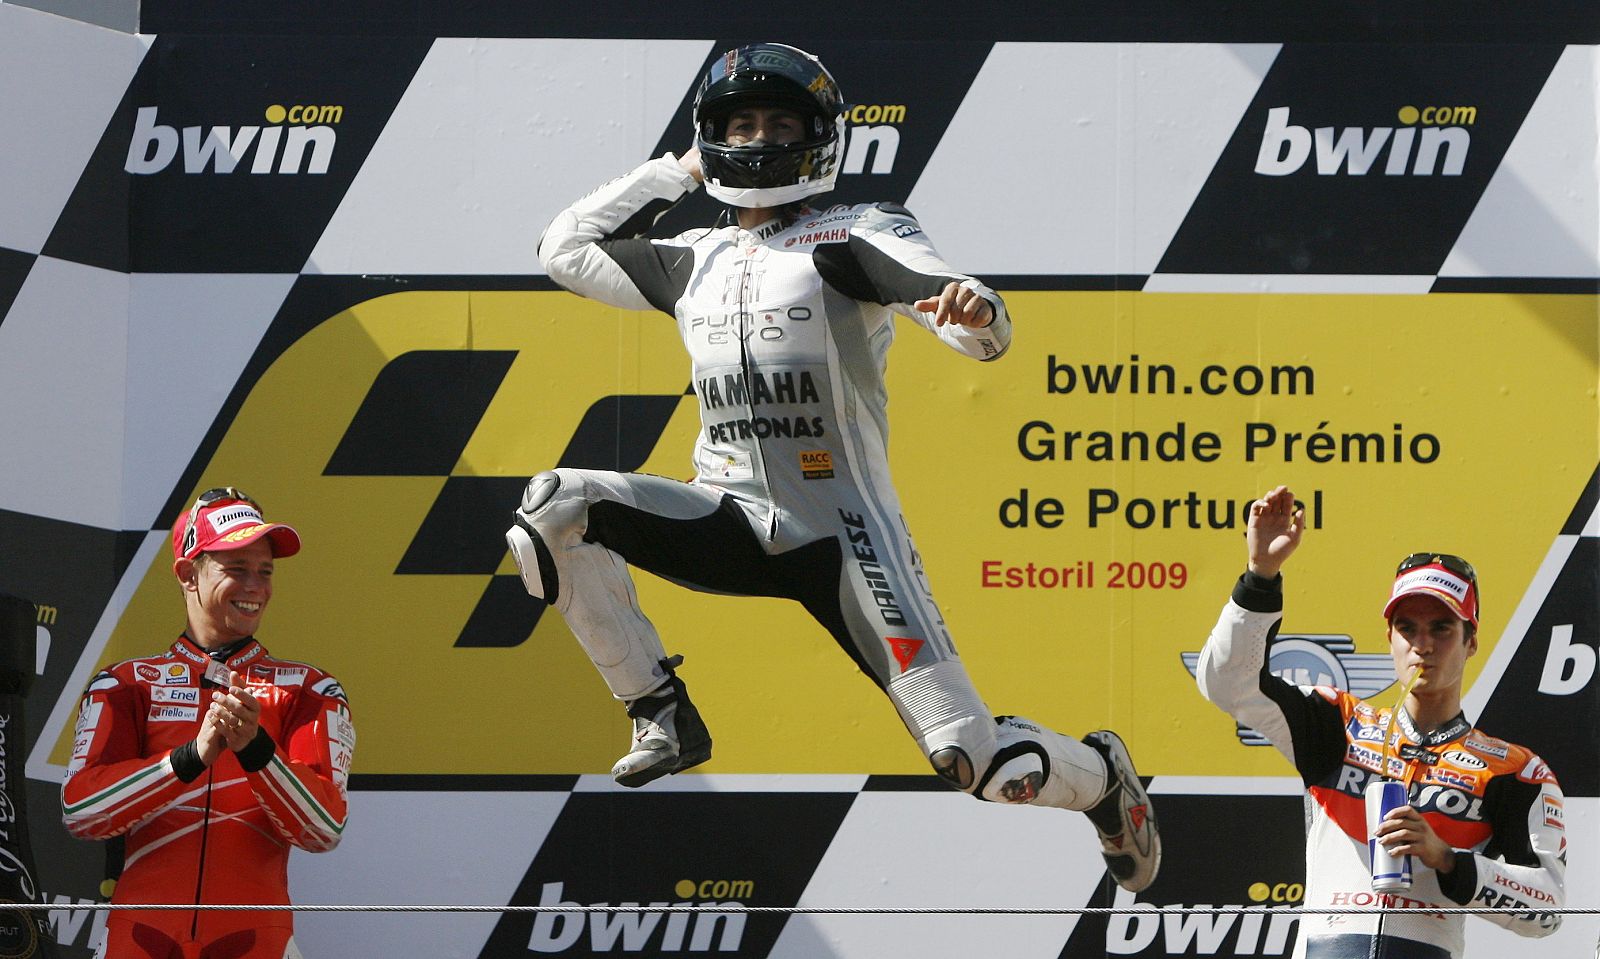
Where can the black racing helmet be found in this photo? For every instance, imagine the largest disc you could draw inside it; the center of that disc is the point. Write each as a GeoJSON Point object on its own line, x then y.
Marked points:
{"type": "Point", "coordinates": [761, 174]}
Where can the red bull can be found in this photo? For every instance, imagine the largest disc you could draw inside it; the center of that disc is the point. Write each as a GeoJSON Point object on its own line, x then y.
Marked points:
{"type": "Point", "coordinates": [1390, 873]}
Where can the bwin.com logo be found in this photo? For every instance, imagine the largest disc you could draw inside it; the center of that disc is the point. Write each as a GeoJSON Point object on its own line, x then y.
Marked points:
{"type": "Point", "coordinates": [1439, 133]}
{"type": "Point", "coordinates": [153, 147]}
{"type": "Point", "coordinates": [1318, 659]}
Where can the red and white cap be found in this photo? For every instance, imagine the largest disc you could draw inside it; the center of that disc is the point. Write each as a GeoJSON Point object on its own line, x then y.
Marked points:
{"type": "Point", "coordinates": [1457, 592]}
{"type": "Point", "coordinates": [227, 522]}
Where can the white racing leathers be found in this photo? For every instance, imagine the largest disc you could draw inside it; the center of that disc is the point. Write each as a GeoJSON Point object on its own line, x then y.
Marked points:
{"type": "Point", "coordinates": [787, 328]}
{"type": "Point", "coordinates": [1495, 802]}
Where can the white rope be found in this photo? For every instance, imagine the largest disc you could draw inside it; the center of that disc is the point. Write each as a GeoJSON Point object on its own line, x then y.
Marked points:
{"type": "Point", "coordinates": [817, 910]}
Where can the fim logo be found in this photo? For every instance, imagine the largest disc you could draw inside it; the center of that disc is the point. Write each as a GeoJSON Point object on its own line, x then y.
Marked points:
{"type": "Point", "coordinates": [615, 929]}
{"type": "Point", "coordinates": [1285, 147]}
{"type": "Point", "coordinates": [1318, 659]}
{"type": "Point", "coordinates": [220, 149]}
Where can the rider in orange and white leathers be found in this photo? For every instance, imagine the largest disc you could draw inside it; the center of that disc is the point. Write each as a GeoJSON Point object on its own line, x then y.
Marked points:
{"type": "Point", "coordinates": [1496, 804]}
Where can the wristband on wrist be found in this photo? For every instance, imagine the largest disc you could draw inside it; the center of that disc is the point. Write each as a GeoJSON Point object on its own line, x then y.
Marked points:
{"type": "Point", "coordinates": [186, 764]}
{"type": "Point", "coordinates": [254, 757]}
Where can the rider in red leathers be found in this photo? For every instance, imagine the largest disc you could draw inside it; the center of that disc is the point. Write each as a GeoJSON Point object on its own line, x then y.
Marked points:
{"type": "Point", "coordinates": [213, 758]}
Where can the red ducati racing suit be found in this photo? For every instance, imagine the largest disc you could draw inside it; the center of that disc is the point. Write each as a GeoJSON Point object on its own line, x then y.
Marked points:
{"type": "Point", "coordinates": [1496, 803]}
{"type": "Point", "coordinates": [207, 835]}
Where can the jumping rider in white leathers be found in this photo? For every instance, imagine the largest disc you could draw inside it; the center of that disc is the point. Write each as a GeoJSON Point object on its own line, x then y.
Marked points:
{"type": "Point", "coordinates": [788, 313]}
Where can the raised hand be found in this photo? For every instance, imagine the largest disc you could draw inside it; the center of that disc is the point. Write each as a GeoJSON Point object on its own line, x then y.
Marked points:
{"type": "Point", "coordinates": [1274, 530]}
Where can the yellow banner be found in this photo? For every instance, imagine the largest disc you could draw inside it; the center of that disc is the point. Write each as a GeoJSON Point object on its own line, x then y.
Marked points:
{"type": "Point", "coordinates": [1078, 505]}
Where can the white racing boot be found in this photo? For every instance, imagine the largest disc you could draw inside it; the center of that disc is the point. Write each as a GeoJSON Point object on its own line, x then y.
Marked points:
{"type": "Point", "coordinates": [668, 734]}
{"type": "Point", "coordinates": [1129, 838]}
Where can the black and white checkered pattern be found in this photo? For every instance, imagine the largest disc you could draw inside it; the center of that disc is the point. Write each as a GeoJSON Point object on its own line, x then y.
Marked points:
{"type": "Point", "coordinates": [1119, 151]}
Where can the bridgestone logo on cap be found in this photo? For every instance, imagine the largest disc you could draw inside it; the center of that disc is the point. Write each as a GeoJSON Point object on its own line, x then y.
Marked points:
{"type": "Point", "coordinates": [225, 519]}
{"type": "Point", "coordinates": [1432, 579]}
